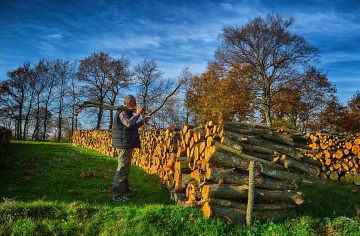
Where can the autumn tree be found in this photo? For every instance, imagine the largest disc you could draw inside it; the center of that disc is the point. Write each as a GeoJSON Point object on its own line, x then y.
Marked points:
{"type": "Point", "coordinates": [299, 103]}
{"type": "Point", "coordinates": [344, 118]}
{"type": "Point", "coordinates": [353, 107]}
{"type": "Point", "coordinates": [219, 92]}
{"type": "Point", "coordinates": [98, 73]}
{"type": "Point", "coordinates": [267, 45]}
{"type": "Point", "coordinates": [331, 115]}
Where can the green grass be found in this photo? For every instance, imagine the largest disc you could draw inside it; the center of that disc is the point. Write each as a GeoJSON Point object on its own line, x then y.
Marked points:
{"type": "Point", "coordinates": [57, 189]}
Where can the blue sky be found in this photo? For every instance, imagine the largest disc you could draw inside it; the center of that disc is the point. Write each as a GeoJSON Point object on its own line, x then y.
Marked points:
{"type": "Point", "coordinates": [174, 33]}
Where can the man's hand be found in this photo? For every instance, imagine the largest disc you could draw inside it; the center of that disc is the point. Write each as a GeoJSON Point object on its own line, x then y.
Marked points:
{"type": "Point", "coordinates": [139, 110]}
{"type": "Point", "coordinates": [146, 119]}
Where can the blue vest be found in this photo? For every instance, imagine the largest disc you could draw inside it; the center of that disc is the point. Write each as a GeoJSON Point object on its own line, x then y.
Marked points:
{"type": "Point", "coordinates": [122, 136]}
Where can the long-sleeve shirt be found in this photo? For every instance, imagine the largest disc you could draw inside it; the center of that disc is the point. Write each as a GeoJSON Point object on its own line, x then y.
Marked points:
{"type": "Point", "coordinates": [130, 121]}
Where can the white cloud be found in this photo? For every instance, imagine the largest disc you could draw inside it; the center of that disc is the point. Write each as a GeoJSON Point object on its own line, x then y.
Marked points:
{"type": "Point", "coordinates": [55, 36]}
{"type": "Point", "coordinates": [226, 6]}
{"type": "Point", "coordinates": [128, 43]}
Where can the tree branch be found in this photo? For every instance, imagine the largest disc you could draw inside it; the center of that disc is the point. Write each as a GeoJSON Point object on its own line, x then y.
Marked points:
{"type": "Point", "coordinates": [131, 109]}
{"type": "Point", "coordinates": [163, 102]}
{"type": "Point", "coordinates": [105, 107]}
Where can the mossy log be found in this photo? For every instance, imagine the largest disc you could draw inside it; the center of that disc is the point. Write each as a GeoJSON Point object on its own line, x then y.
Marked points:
{"type": "Point", "coordinates": [239, 153]}
{"type": "Point", "coordinates": [290, 162]}
{"type": "Point", "coordinates": [257, 206]}
{"type": "Point", "coordinates": [226, 160]}
{"type": "Point", "coordinates": [237, 215]}
{"type": "Point", "coordinates": [230, 176]}
{"type": "Point", "coordinates": [236, 191]}
{"type": "Point", "coordinates": [236, 127]}
{"type": "Point", "coordinates": [262, 146]}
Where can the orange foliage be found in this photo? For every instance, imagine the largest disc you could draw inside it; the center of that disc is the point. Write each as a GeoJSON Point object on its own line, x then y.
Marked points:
{"type": "Point", "coordinates": [220, 93]}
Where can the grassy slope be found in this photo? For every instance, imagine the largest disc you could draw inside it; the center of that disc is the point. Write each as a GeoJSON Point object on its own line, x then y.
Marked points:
{"type": "Point", "coordinates": [52, 188]}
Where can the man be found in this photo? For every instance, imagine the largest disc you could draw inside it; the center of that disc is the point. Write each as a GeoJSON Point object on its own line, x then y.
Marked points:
{"type": "Point", "coordinates": [125, 138]}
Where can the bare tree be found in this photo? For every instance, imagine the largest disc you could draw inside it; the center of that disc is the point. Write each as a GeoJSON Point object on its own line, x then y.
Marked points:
{"type": "Point", "coordinates": [97, 73]}
{"type": "Point", "coordinates": [51, 83]}
{"type": "Point", "coordinates": [271, 49]}
{"type": "Point", "coordinates": [149, 84]}
{"type": "Point", "coordinates": [40, 77]}
{"type": "Point", "coordinates": [64, 71]}
{"type": "Point", "coordinates": [120, 80]}
{"type": "Point", "coordinates": [74, 99]}
{"type": "Point", "coordinates": [17, 95]}
{"type": "Point", "coordinates": [185, 77]}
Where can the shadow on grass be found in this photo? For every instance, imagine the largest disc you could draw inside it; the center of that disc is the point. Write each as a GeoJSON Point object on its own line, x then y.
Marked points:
{"type": "Point", "coordinates": [31, 171]}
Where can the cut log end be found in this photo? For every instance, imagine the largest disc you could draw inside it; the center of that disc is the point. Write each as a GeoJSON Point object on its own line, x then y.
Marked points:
{"type": "Point", "coordinates": [207, 210]}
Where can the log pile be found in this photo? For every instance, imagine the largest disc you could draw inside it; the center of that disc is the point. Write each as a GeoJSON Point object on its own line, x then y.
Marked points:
{"type": "Point", "coordinates": [5, 135]}
{"type": "Point", "coordinates": [208, 166]}
{"type": "Point", "coordinates": [99, 140]}
{"type": "Point", "coordinates": [339, 155]}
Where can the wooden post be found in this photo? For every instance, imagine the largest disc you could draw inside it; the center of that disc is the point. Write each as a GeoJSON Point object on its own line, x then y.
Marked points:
{"type": "Point", "coordinates": [250, 204]}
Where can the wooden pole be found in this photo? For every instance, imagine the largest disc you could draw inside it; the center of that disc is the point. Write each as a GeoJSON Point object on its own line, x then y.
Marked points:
{"type": "Point", "coordinates": [250, 205]}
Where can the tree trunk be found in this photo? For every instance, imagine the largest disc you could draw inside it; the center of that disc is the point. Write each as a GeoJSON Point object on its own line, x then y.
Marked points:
{"type": "Point", "coordinates": [59, 126]}
{"type": "Point", "coordinates": [236, 214]}
{"type": "Point", "coordinates": [257, 206]}
{"type": "Point", "coordinates": [263, 133]}
{"type": "Point", "coordinates": [290, 162]}
{"type": "Point", "coordinates": [229, 176]}
{"type": "Point", "coordinates": [111, 120]}
{"type": "Point", "coordinates": [99, 117]}
{"type": "Point", "coordinates": [234, 192]}
{"type": "Point", "coordinates": [226, 160]}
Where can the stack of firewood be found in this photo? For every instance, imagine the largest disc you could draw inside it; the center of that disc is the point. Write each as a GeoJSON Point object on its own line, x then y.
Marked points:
{"type": "Point", "coordinates": [339, 154]}
{"type": "Point", "coordinates": [99, 140]}
{"type": "Point", "coordinates": [5, 135]}
{"type": "Point", "coordinates": [208, 166]}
